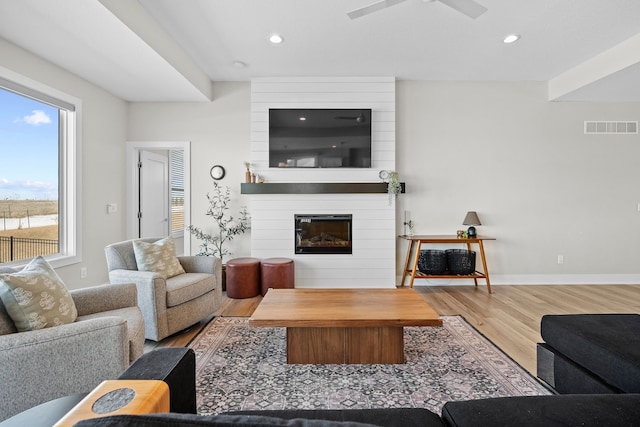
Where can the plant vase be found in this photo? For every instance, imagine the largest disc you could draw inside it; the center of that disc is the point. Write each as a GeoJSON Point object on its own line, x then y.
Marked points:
{"type": "Point", "coordinates": [393, 186]}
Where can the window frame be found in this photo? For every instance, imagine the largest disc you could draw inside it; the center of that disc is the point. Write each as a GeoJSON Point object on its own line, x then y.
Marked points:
{"type": "Point", "coordinates": [176, 185]}
{"type": "Point", "coordinates": [69, 165]}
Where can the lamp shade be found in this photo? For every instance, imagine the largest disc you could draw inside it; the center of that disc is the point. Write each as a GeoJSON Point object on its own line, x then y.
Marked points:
{"type": "Point", "coordinates": [471, 219]}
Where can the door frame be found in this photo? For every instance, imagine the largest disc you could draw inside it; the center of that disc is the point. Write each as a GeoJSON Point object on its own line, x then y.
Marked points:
{"type": "Point", "coordinates": [132, 179]}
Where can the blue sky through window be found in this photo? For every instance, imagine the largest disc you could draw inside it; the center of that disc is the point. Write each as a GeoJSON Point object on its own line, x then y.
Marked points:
{"type": "Point", "coordinates": [28, 148]}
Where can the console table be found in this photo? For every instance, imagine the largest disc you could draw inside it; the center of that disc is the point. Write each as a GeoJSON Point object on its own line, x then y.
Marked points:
{"type": "Point", "coordinates": [413, 254]}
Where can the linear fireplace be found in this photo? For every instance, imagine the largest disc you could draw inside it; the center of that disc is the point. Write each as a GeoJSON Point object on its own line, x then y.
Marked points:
{"type": "Point", "coordinates": [323, 234]}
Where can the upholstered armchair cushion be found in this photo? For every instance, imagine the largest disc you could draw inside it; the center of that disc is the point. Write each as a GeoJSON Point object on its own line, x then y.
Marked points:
{"type": "Point", "coordinates": [36, 298]}
{"type": "Point", "coordinates": [168, 305]}
{"type": "Point", "coordinates": [159, 257]}
{"type": "Point", "coordinates": [185, 287]}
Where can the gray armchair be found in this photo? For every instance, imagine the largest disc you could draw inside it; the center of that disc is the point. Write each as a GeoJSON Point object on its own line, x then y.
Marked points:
{"type": "Point", "coordinates": [169, 305]}
{"type": "Point", "coordinates": [41, 365]}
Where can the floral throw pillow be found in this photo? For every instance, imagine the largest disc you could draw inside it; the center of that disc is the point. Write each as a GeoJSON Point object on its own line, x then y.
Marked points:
{"type": "Point", "coordinates": [159, 257]}
{"type": "Point", "coordinates": [36, 297]}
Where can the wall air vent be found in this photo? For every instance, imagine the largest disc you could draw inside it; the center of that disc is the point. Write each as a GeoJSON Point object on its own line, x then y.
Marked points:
{"type": "Point", "coordinates": [610, 127]}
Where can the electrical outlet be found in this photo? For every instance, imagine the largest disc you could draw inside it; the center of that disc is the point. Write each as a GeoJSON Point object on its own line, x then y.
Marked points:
{"type": "Point", "coordinates": [112, 208]}
{"type": "Point", "coordinates": [83, 272]}
{"type": "Point", "coordinates": [560, 259]}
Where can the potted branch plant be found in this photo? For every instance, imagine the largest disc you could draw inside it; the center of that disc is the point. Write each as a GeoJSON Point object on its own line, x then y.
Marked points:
{"type": "Point", "coordinates": [213, 244]}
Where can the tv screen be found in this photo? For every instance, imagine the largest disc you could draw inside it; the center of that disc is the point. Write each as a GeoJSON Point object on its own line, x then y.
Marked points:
{"type": "Point", "coordinates": [320, 138]}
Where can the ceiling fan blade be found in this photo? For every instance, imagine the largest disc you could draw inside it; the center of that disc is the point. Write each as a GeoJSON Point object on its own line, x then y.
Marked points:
{"type": "Point", "coordinates": [359, 13]}
{"type": "Point", "coordinates": [468, 7]}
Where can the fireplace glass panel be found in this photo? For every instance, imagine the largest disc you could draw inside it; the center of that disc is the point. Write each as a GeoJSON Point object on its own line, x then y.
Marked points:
{"type": "Point", "coordinates": [323, 234]}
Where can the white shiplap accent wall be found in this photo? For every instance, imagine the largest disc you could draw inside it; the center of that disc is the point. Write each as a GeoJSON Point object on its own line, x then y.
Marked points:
{"type": "Point", "coordinates": [372, 264]}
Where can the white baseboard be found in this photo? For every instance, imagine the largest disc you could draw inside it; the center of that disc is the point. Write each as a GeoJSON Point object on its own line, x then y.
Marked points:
{"type": "Point", "coordinates": [565, 279]}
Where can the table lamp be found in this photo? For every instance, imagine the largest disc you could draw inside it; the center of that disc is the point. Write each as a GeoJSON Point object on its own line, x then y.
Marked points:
{"type": "Point", "coordinates": [471, 219]}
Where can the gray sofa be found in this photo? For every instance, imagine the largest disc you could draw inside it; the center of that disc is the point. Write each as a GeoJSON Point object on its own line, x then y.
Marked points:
{"type": "Point", "coordinates": [168, 305]}
{"type": "Point", "coordinates": [41, 365]}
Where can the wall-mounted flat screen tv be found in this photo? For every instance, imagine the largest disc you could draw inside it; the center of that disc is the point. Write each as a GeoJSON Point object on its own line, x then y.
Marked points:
{"type": "Point", "coordinates": [319, 138]}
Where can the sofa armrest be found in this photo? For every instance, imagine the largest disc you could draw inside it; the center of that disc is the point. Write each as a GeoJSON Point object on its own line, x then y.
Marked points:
{"type": "Point", "coordinates": [176, 366]}
{"type": "Point", "coordinates": [200, 264]}
{"type": "Point", "coordinates": [132, 276]}
{"type": "Point", "coordinates": [42, 365]}
{"type": "Point", "coordinates": [152, 296]}
{"type": "Point", "coordinates": [98, 299]}
{"type": "Point", "coordinates": [151, 287]}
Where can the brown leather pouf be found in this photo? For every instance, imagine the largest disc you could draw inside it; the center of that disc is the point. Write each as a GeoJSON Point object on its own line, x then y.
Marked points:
{"type": "Point", "coordinates": [276, 273]}
{"type": "Point", "coordinates": [243, 277]}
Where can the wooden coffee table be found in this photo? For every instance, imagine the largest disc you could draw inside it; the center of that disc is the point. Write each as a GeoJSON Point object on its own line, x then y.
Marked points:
{"type": "Point", "coordinates": [344, 325]}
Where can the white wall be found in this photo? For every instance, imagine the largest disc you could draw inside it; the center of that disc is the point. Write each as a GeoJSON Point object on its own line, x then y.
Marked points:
{"type": "Point", "coordinates": [219, 132]}
{"type": "Point", "coordinates": [539, 185]}
{"type": "Point", "coordinates": [371, 265]}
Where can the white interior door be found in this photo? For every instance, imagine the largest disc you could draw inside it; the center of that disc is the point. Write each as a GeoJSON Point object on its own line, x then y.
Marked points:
{"type": "Point", "coordinates": [134, 148]}
{"type": "Point", "coordinates": [154, 194]}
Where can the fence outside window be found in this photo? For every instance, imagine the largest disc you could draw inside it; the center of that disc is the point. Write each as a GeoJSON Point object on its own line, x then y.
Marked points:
{"type": "Point", "coordinates": [17, 248]}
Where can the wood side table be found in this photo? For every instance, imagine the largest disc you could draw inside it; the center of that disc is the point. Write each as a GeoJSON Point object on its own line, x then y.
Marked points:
{"type": "Point", "coordinates": [413, 254]}
{"type": "Point", "coordinates": [120, 397]}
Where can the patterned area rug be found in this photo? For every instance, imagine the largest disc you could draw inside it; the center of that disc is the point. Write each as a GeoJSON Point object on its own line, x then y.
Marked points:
{"type": "Point", "coordinates": [241, 367]}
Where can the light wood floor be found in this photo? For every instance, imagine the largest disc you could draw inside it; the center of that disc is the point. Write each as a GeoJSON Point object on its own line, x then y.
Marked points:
{"type": "Point", "coordinates": [510, 317]}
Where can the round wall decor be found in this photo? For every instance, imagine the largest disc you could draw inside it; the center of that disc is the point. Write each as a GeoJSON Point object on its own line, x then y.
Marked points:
{"type": "Point", "coordinates": [217, 172]}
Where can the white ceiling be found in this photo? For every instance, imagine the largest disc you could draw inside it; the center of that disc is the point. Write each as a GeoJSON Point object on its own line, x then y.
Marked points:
{"type": "Point", "coordinates": [169, 50]}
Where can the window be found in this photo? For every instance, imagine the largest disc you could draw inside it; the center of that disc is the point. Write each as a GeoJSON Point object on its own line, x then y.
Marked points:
{"type": "Point", "coordinates": [38, 191]}
{"type": "Point", "coordinates": [176, 184]}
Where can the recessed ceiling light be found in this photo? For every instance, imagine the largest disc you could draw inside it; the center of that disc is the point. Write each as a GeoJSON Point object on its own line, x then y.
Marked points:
{"type": "Point", "coordinates": [511, 38]}
{"type": "Point", "coordinates": [239, 64]}
{"type": "Point", "coordinates": [276, 38]}
{"type": "Point", "coordinates": [302, 119]}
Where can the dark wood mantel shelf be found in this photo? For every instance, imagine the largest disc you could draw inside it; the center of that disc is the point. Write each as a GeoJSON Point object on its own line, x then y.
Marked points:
{"type": "Point", "coordinates": [315, 187]}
